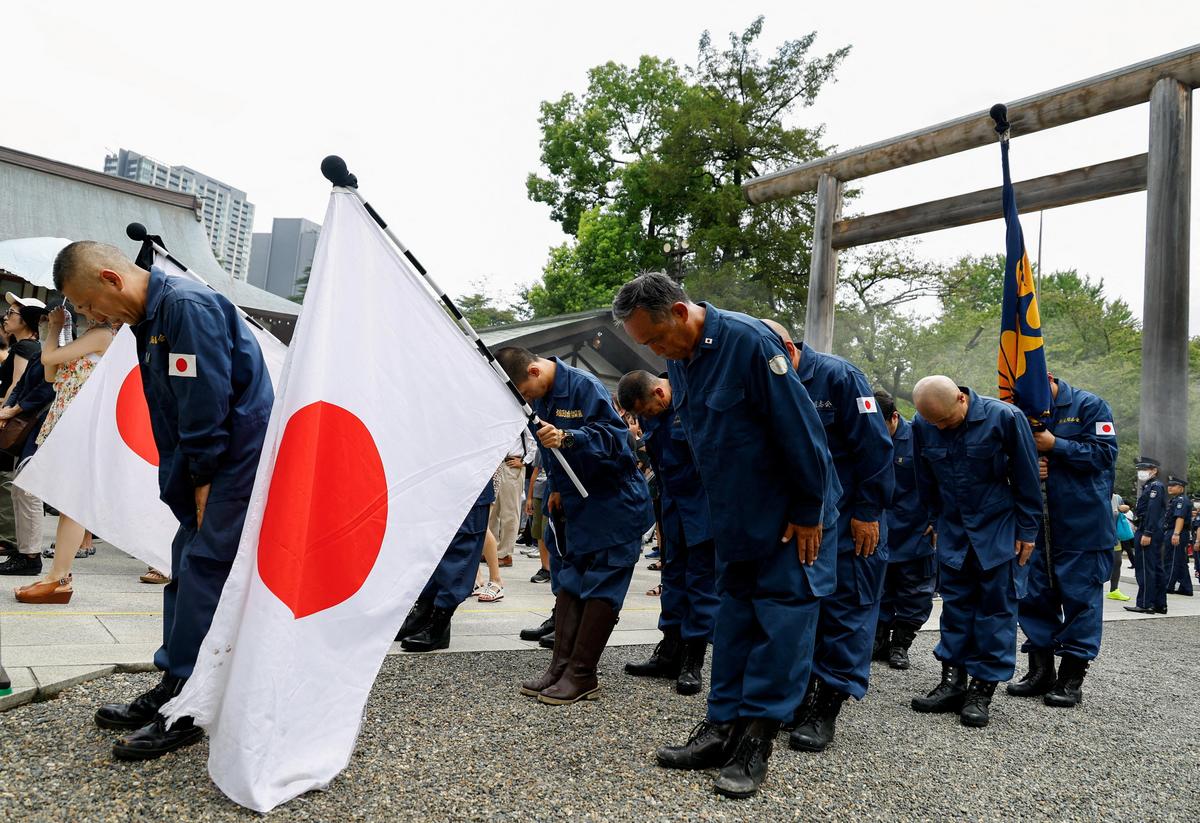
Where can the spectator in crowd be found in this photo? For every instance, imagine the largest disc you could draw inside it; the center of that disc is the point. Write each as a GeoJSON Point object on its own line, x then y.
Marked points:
{"type": "Point", "coordinates": [505, 519]}
{"type": "Point", "coordinates": [1124, 542]}
{"type": "Point", "coordinates": [534, 501]}
{"type": "Point", "coordinates": [27, 402]}
{"type": "Point", "coordinates": [20, 347]}
{"type": "Point", "coordinates": [66, 367]}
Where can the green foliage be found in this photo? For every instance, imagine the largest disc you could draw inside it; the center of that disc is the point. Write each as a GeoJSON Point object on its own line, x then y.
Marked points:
{"type": "Point", "coordinates": [653, 153]}
{"type": "Point", "coordinates": [483, 310]}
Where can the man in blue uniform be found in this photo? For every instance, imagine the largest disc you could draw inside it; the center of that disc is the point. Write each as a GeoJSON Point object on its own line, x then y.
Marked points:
{"type": "Point", "coordinates": [689, 599]}
{"type": "Point", "coordinates": [908, 587]}
{"type": "Point", "coordinates": [1176, 537]}
{"type": "Point", "coordinates": [427, 627]}
{"type": "Point", "coordinates": [862, 456]}
{"type": "Point", "coordinates": [603, 538]}
{"type": "Point", "coordinates": [209, 397]}
{"type": "Point", "coordinates": [977, 471]}
{"type": "Point", "coordinates": [1062, 610]}
{"type": "Point", "coordinates": [1147, 540]}
{"type": "Point", "coordinates": [760, 449]}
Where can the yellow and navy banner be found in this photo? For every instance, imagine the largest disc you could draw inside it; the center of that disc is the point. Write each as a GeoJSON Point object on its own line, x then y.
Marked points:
{"type": "Point", "coordinates": [1021, 365]}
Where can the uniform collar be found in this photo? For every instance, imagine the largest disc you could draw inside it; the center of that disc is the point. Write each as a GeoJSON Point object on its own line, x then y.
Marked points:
{"type": "Point", "coordinates": [975, 411]}
{"type": "Point", "coordinates": [903, 430]}
{"type": "Point", "coordinates": [560, 389]}
{"type": "Point", "coordinates": [1066, 394]}
{"type": "Point", "coordinates": [713, 323]}
{"type": "Point", "coordinates": [154, 292]}
{"type": "Point", "coordinates": [808, 363]}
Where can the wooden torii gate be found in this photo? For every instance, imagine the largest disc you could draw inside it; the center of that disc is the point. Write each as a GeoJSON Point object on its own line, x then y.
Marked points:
{"type": "Point", "coordinates": [1164, 172]}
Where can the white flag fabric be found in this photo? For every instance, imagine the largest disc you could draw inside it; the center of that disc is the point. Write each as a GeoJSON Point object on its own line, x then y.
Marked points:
{"type": "Point", "coordinates": [99, 466]}
{"type": "Point", "coordinates": [373, 456]}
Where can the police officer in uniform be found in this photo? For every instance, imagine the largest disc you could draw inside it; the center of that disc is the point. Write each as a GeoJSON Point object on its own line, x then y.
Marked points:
{"type": "Point", "coordinates": [862, 455]}
{"type": "Point", "coordinates": [1176, 537]}
{"type": "Point", "coordinates": [977, 470]}
{"type": "Point", "coordinates": [603, 539]}
{"type": "Point", "coordinates": [427, 627]}
{"type": "Point", "coordinates": [209, 397]}
{"type": "Point", "coordinates": [1147, 540]}
{"type": "Point", "coordinates": [1062, 610]}
{"type": "Point", "coordinates": [908, 587]}
{"type": "Point", "coordinates": [689, 599]}
{"type": "Point", "coordinates": [760, 449]}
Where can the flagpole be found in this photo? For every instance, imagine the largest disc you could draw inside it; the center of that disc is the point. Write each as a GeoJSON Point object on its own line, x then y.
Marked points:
{"type": "Point", "coordinates": [335, 171]}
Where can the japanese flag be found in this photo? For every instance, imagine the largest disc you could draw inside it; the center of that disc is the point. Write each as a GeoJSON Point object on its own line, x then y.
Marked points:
{"type": "Point", "coordinates": [366, 474]}
{"type": "Point", "coordinates": [868, 405]}
{"type": "Point", "coordinates": [99, 466]}
{"type": "Point", "coordinates": [1106, 428]}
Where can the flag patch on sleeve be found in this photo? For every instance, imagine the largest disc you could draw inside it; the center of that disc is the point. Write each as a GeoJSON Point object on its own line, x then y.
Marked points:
{"type": "Point", "coordinates": [1105, 427]}
{"type": "Point", "coordinates": [867, 405]}
{"type": "Point", "coordinates": [182, 365]}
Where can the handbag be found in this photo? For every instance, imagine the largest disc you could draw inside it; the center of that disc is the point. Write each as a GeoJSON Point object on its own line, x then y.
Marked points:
{"type": "Point", "coordinates": [18, 430]}
{"type": "Point", "coordinates": [1124, 527]}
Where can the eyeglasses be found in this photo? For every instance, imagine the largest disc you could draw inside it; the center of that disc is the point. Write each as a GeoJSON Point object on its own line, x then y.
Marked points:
{"type": "Point", "coordinates": [11, 312]}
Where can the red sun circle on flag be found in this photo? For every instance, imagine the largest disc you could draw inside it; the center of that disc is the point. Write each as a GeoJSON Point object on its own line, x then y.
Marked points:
{"type": "Point", "coordinates": [181, 365]}
{"type": "Point", "coordinates": [133, 418]}
{"type": "Point", "coordinates": [867, 405]}
{"type": "Point", "coordinates": [1106, 428]}
{"type": "Point", "coordinates": [326, 510]}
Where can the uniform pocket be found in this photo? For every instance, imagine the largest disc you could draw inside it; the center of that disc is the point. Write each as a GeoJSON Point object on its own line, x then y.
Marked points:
{"type": "Point", "coordinates": [725, 398]}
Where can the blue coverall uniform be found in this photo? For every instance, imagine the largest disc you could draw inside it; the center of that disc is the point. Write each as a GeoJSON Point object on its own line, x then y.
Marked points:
{"type": "Point", "coordinates": [689, 597]}
{"type": "Point", "coordinates": [760, 449]}
{"type": "Point", "coordinates": [1179, 581]}
{"type": "Point", "coordinates": [1066, 617]}
{"type": "Point", "coordinates": [1196, 544]}
{"type": "Point", "coordinates": [861, 449]}
{"type": "Point", "coordinates": [603, 538]}
{"type": "Point", "coordinates": [912, 558]}
{"type": "Point", "coordinates": [981, 480]}
{"type": "Point", "coordinates": [209, 396]}
{"type": "Point", "coordinates": [1151, 576]}
{"type": "Point", "coordinates": [452, 580]}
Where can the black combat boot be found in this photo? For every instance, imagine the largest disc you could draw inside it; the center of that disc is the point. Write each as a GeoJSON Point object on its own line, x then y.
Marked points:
{"type": "Point", "coordinates": [903, 635]}
{"type": "Point", "coordinates": [879, 650]}
{"type": "Point", "coordinates": [547, 627]}
{"type": "Point", "coordinates": [418, 616]}
{"type": "Point", "coordinates": [747, 769]}
{"type": "Point", "coordinates": [155, 739]}
{"type": "Point", "coordinates": [816, 732]}
{"type": "Point", "coordinates": [665, 660]}
{"type": "Point", "coordinates": [709, 746]}
{"type": "Point", "coordinates": [434, 635]}
{"type": "Point", "coordinates": [975, 708]}
{"type": "Point", "coordinates": [691, 672]}
{"type": "Point", "coordinates": [1040, 677]}
{"type": "Point", "coordinates": [804, 710]}
{"type": "Point", "coordinates": [143, 708]}
{"type": "Point", "coordinates": [1068, 688]}
{"type": "Point", "coordinates": [946, 696]}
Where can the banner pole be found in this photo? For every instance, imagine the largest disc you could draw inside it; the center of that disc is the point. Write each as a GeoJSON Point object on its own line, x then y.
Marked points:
{"type": "Point", "coordinates": [335, 171]}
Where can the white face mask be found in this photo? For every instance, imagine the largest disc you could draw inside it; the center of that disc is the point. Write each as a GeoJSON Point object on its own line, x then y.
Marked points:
{"type": "Point", "coordinates": [1143, 475]}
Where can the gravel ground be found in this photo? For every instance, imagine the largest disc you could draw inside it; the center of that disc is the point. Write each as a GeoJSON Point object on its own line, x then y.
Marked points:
{"type": "Point", "coordinates": [447, 737]}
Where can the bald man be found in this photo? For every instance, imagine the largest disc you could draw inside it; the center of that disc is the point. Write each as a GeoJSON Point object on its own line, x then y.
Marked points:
{"type": "Point", "coordinates": [977, 473]}
{"type": "Point", "coordinates": [209, 397]}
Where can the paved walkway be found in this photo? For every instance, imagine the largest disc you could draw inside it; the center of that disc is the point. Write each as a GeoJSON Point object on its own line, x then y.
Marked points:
{"type": "Point", "coordinates": [114, 623]}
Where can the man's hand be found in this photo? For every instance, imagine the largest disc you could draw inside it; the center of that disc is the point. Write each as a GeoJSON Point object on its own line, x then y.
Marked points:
{"type": "Point", "coordinates": [529, 506]}
{"type": "Point", "coordinates": [555, 502]}
{"type": "Point", "coordinates": [201, 503]}
{"type": "Point", "coordinates": [1174, 540]}
{"type": "Point", "coordinates": [1145, 541]}
{"type": "Point", "coordinates": [550, 436]}
{"type": "Point", "coordinates": [1043, 468]}
{"type": "Point", "coordinates": [931, 534]}
{"type": "Point", "coordinates": [1044, 440]}
{"type": "Point", "coordinates": [808, 541]}
{"type": "Point", "coordinates": [514, 462]}
{"type": "Point", "coordinates": [9, 412]}
{"type": "Point", "coordinates": [1023, 551]}
{"type": "Point", "coordinates": [866, 536]}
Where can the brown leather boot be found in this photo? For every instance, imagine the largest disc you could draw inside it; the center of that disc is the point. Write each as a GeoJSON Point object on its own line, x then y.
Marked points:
{"type": "Point", "coordinates": [568, 610]}
{"type": "Point", "coordinates": [578, 681]}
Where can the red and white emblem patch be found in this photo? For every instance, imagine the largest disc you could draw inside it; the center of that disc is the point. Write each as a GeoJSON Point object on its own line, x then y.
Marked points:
{"type": "Point", "coordinates": [867, 405]}
{"type": "Point", "coordinates": [1105, 427]}
{"type": "Point", "coordinates": [182, 365]}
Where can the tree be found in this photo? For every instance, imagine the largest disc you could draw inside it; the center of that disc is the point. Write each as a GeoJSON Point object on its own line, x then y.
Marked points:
{"type": "Point", "coordinates": [482, 310]}
{"type": "Point", "coordinates": [655, 153]}
{"type": "Point", "coordinates": [301, 285]}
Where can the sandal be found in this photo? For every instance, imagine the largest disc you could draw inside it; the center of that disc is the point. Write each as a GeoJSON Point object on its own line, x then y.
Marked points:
{"type": "Point", "coordinates": [491, 593]}
{"type": "Point", "coordinates": [478, 590]}
{"type": "Point", "coordinates": [57, 592]}
{"type": "Point", "coordinates": [154, 576]}
{"type": "Point", "coordinates": [656, 566]}
{"type": "Point", "coordinates": [655, 592]}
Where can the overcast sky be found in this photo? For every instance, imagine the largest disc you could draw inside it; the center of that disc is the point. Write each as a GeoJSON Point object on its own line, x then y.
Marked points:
{"type": "Point", "coordinates": [435, 105]}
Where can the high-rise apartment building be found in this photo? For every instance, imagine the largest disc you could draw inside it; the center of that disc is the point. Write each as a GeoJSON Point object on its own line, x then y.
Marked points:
{"type": "Point", "coordinates": [282, 259]}
{"type": "Point", "coordinates": [228, 217]}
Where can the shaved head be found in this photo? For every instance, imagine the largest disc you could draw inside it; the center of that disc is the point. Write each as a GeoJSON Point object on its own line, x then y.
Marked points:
{"type": "Point", "coordinates": [940, 401]}
{"type": "Point", "coordinates": [88, 258]}
{"type": "Point", "coordinates": [785, 337]}
{"type": "Point", "coordinates": [102, 282]}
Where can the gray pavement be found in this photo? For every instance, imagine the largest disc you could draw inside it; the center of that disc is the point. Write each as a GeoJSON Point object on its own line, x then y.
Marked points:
{"type": "Point", "coordinates": [448, 738]}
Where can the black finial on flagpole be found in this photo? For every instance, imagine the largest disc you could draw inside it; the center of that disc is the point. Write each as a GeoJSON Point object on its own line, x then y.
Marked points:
{"type": "Point", "coordinates": [335, 171]}
{"type": "Point", "coordinates": [136, 232]}
{"type": "Point", "coordinates": [999, 113]}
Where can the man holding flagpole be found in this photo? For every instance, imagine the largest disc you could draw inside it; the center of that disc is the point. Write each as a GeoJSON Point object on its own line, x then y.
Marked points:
{"type": "Point", "coordinates": [209, 397]}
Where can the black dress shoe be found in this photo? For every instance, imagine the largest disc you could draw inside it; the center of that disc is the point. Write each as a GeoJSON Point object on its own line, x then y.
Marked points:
{"type": "Point", "coordinates": [155, 739]}
{"type": "Point", "coordinates": [946, 696]}
{"type": "Point", "coordinates": [547, 641]}
{"type": "Point", "coordinates": [23, 564]}
{"type": "Point", "coordinates": [142, 709]}
{"type": "Point", "coordinates": [541, 631]}
{"type": "Point", "coordinates": [746, 770]}
{"type": "Point", "coordinates": [1157, 610]}
{"type": "Point", "coordinates": [1138, 610]}
{"type": "Point", "coordinates": [708, 747]}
